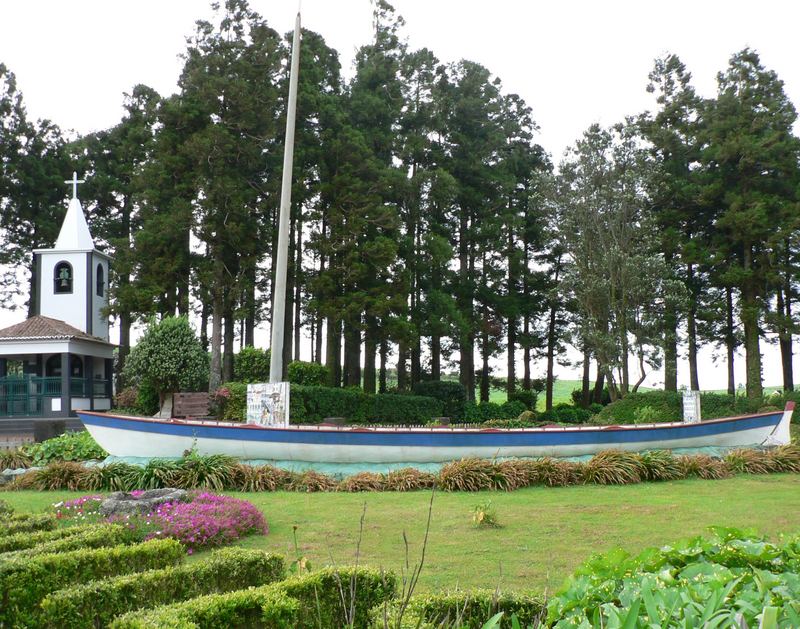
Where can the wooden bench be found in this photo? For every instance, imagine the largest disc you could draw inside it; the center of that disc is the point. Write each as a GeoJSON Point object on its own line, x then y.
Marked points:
{"type": "Point", "coordinates": [195, 405]}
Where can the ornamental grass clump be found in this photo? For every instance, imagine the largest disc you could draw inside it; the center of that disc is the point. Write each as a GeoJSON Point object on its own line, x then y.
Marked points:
{"type": "Point", "coordinates": [467, 475]}
{"type": "Point", "coordinates": [311, 481]}
{"type": "Point", "coordinates": [704, 466]}
{"type": "Point", "coordinates": [116, 476]}
{"type": "Point", "coordinates": [552, 472]}
{"type": "Point", "coordinates": [613, 467]}
{"type": "Point", "coordinates": [745, 461]}
{"type": "Point", "coordinates": [215, 471]}
{"type": "Point", "coordinates": [515, 473]}
{"type": "Point", "coordinates": [15, 459]}
{"type": "Point", "coordinates": [409, 479]}
{"type": "Point", "coordinates": [209, 520]}
{"type": "Point", "coordinates": [259, 477]}
{"type": "Point", "coordinates": [785, 458]}
{"type": "Point", "coordinates": [660, 465]}
{"type": "Point", "coordinates": [363, 481]}
{"type": "Point", "coordinates": [57, 475]}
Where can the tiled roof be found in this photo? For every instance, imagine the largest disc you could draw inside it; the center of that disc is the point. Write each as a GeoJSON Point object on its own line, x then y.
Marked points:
{"type": "Point", "coordinates": [41, 328]}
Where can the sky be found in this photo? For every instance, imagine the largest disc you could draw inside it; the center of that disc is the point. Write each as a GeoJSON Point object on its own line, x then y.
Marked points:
{"type": "Point", "coordinates": [574, 62]}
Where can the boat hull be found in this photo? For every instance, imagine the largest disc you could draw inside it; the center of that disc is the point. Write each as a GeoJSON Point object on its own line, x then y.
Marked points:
{"type": "Point", "coordinates": [144, 437]}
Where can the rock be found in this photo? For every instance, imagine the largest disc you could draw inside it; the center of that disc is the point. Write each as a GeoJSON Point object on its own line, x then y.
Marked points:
{"type": "Point", "coordinates": [8, 475]}
{"type": "Point", "coordinates": [124, 503]}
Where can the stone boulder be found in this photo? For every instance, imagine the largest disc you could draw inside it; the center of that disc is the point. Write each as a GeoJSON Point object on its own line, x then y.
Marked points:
{"type": "Point", "coordinates": [125, 503]}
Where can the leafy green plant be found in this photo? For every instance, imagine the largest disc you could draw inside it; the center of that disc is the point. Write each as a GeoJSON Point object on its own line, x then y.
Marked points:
{"type": "Point", "coordinates": [251, 365]}
{"type": "Point", "coordinates": [71, 446]}
{"type": "Point", "coordinates": [168, 358]}
{"type": "Point", "coordinates": [308, 374]}
{"type": "Point", "coordinates": [484, 515]}
{"type": "Point", "coordinates": [645, 415]}
{"type": "Point", "coordinates": [718, 581]}
{"type": "Point", "coordinates": [6, 510]}
{"type": "Point", "coordinates": [451, 394]}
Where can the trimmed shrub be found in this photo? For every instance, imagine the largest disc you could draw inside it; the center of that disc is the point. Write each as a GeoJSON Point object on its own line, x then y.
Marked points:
{"type": "Point", "coordinates": [451, 394]}
{"type": "Point", "coordinates": [666, 407]}
{"type": "Point", "coordinates": [21, 541]}
{"type": "Point", "coordinates": [5, 509]}
{"type": "Point", "coordinates": [95, 536]}
{"type": "Point", "coordinates": [97, 603]}
{"type": "Point", "coordinates": [528, 397]}
{"type": "Point", "coordinates": [146, 399]}
{"type": "Point", "coordinates": [251, 365]}
{"type": "Point", "coordinates": [613, 467]}
{"type": "Point", "coordinates": [24, 582]}
{"type": "Point", "coordinates": [566, 414]}
{"type": "Point", "coordinates": [402, 409]}
{"type": "Point", "coordinates": [27, 523]}
{"type": "Point", "coordinates": [465, 610]}
{"type": "Point", "coordinates": [234, 407]}
{"type": "Point", "coordinates": [409, 479]}
{"type": "Point", "coordinates": [307, 374]}
{"type": "Point", "coordinates": [319, 599]}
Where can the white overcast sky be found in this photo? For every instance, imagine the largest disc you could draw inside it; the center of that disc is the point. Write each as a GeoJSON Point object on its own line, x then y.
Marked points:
{"type": "Point", "coordinates": [574, 62]}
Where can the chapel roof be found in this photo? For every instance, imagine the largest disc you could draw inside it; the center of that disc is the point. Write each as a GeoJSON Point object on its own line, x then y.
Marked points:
{"type": "Point", "coordinates": [39, 328]}
{"type": "Point", "coordinates": [74, 234]}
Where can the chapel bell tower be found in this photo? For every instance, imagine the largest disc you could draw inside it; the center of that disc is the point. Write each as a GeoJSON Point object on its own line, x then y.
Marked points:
{"type": "Point", "coordinates": [72, 277]}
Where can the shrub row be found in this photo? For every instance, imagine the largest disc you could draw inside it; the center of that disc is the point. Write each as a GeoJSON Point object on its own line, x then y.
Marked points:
{"type": "Point", "coordinates": [26, 523]}
{"type": "Point", "coordinates": [462, 610]}
{"type": "Point", "coordinates": [25, 581]}
{"type": "Point", "coordinates": [224, 473]}
{"type": "Point", "coordinates": [97, 603]}
{"type": "Point", "coordinates": [319, 599]}
{"type": "Point", "coordinates": [21, 541]}
{"type": "Point", "coordinates": [663, 406]}
{"type": "Point", "coordinates": [95, 536]}
{"type": "Point", "coordinates": [312, 404]}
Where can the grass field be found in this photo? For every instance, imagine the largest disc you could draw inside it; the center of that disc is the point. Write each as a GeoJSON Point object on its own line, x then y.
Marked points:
{"type": "Point", "coordinates": [546, 532]}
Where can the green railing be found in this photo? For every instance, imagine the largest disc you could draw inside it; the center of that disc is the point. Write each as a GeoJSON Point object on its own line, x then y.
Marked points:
{"type": "Point", "coordinates": [26, 395]}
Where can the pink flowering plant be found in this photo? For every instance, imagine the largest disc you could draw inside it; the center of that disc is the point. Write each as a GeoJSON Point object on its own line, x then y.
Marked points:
{"type": "Point", "coordinates": [207, 520]}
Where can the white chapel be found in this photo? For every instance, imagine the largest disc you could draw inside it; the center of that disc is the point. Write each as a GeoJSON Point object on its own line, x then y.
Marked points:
{"type": "Point", "coordinates": [60, 360]}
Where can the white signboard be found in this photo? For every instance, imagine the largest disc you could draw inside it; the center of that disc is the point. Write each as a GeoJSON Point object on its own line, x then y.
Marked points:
{"type": "Point", "coordinates": [268, 404]}
{"type": "Point", "coordinates": [691, 407]}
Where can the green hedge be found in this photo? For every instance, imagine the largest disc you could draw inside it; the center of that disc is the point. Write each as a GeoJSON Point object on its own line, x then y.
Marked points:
{"type": "Point", "coordinates": [21, 541]}
{"type": "Point", "coordinates": [25, 581]}
{"type": "Point", "coordinates": [309, 601]}
{"type": "Point", "coordinates": [665, 406]}
{"type": "Point", "coordinates": [93, 536]}
{"type": "Point", "coordinates": [487, 411]}
{"type": "Point", "coordinates": [453, 395]}
{"type": "Point", "coordinates": [311, 405]}
{"type": "Point", "coordinates": [465, 610]}
{"type": "Point", "coordinates": [97, 603]}
{"type": "Point", "coordinates": [27, 523]}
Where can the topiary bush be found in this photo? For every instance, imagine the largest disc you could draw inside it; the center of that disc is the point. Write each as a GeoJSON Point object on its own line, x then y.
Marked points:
{"type": "Point", "coordinates": [307, 374]}
{"type": "Point", "coordinates": [168, 358]}
{"type": "Point", "coordinates": [251, 365]}
{"type": "Point", "coordinates": [451, 394]}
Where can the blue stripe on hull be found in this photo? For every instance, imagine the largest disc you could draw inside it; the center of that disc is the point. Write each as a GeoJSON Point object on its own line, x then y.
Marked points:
{"type": "Point", "coordinates": [439, 439]}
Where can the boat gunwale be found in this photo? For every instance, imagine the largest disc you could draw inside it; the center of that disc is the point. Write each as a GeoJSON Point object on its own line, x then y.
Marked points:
{"type": "Point", "coordinates": [314, 428]}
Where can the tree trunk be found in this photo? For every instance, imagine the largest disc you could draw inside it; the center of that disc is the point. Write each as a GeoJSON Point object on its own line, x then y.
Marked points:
{"type": "Point", "coordinates": [352, 354]}
{"type": "Point", "coordinates": [228, 339]}
{"type": "Point", "coordinates": [204, 314]}
{"type": "Point", "coordinates": [691, 329]}
{"type": "Point", "coordinates": [485, 366]}
{"type": "Point", "coordinates": [750, 315]}
{"type": "Point", "coordinates": [384, 351]}
{"type": "Point", "coordinates": [298, 282]}
{"type": "Point", "coordinates": [785, 334]}
{"type": "Point", "coordinates": [551, 350]}
{"type": "Point", "coordinates": [585, 383]}
{"type": "Point", "coordinates": [370, 346]}
{"type": "Point", "coordinates": [511, 380]}
{"type": "Point", "coordinates": [526, 354]}
{"type": "Point", "coordinates": [215, 377]}
{"type": "Point", "coordinates": [670, 347]}
{"type": "Point", "coordinates": [125, 323]}
{"type": "Point", "coordinates": [730, 339]}
{"type": "Point", "coordinates": [402, 373]}
{"type": "Point", "coordinates": [250, 306]}
{"type": "Point", "coordinates": [466, 341]}
{"type": "Point", "coordinates": [333, 351]}
{"type": "Point", "coordinates": [436, 357]}
{"type": "Point", "coordinates": [598, 384]}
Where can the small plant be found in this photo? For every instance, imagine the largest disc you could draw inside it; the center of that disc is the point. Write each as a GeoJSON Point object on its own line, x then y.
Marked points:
{"type": "Point", "coordinates": [301, 564]}
{"type": "Point", "coordinates": [742, 461]}
{"type": "Point", "coordinates": [5, 509]}
{"type": "Point", "coordinates": [660, 465]}
{"type": "Point", "coordinates": [484, 515]}
{"type": "Point", "coordinates": [613, 467]}
{"type": "Point", "coordinates": [71, 446]}
{"type": "Point", "coordinates": [15, 459]}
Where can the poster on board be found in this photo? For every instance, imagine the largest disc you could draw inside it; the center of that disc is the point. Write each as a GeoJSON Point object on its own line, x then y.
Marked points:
{"type": "Point", "coordinates": [268, 404]}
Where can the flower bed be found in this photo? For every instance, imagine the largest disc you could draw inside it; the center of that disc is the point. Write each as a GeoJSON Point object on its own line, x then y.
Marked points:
{"type": "Point", "coordinates": [208, 520]}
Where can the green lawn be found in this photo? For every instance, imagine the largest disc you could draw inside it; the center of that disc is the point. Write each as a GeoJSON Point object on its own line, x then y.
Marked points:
{"type": "Point", "coordinates": [546, 532]}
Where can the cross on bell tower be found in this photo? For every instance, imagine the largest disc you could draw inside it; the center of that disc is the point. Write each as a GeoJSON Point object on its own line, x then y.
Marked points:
{"type": "Point", "coordinates": [75, 181]}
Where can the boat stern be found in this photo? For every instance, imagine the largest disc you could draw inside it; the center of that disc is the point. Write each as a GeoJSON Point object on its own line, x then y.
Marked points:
{"type": "Point", "coordinates": [782, 436]}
